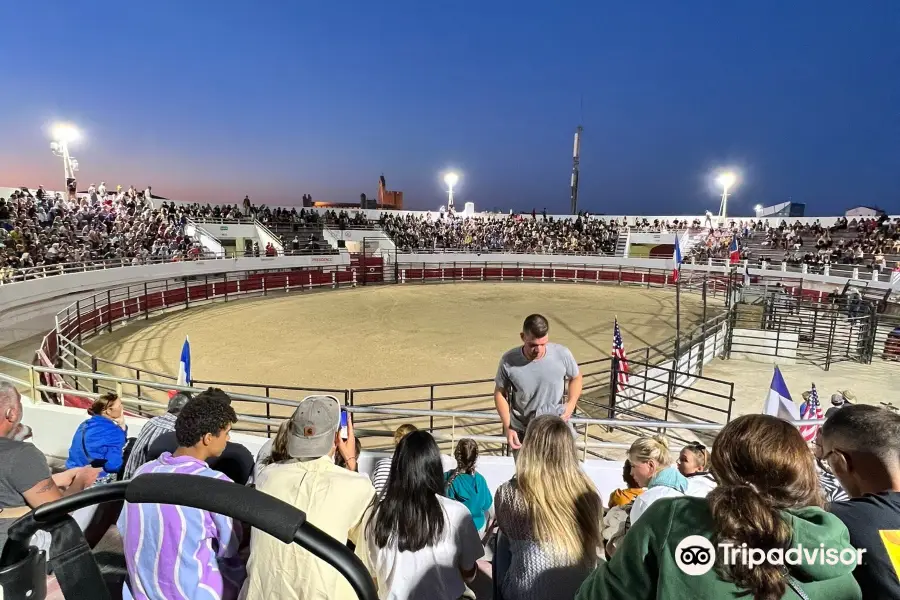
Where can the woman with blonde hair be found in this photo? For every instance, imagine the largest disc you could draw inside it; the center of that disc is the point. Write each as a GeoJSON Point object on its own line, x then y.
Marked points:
{"type": "Point", "coordinates": [551, 514]}
{"type": "Point", "coordinates": [652, 468]}
{"type": "Point", "coordinates": [767, 500]}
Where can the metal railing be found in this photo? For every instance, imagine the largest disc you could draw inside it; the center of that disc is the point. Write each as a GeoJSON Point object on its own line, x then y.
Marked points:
{"type": "Point", "coordinates": [264, 425]}
{"type": "Point", "coordinates": [494, 251]}
{"type": "Point", "coordinates": [42, 271]}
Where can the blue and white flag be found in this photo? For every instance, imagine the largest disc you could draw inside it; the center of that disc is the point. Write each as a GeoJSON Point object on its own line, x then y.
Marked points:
{"type": "Point", "coordinates": [778, 402]}
{"type": "Point", "coordinates": [676, 259]}
{"type": "Point", "coordinates": [184, 367]}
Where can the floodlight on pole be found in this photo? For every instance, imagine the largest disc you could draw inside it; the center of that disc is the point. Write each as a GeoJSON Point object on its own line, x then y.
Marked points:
{"type": "Point", "coordinates": [757, 209]}
{"type": "Point", "coordinates": [726, 181]}
{"type": "Point", "coordinates": [64, 134]}
{"type": "Point", "coordinates": [451, 179]}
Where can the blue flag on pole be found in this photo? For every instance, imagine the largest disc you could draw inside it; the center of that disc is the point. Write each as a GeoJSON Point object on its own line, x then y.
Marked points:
{"type": "Point", "coordinates": [184, 368]}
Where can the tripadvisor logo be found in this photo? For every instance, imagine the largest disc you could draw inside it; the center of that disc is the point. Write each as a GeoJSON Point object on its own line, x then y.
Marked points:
{"type": "Point", "coordinates": [696, 555]}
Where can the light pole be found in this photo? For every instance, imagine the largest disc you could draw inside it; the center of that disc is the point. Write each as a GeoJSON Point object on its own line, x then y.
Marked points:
{"type": "Point", "coordinates": [726, 180]}
{"type": "Point", "coordinates": [451, 179]}
{"type": "Point", "coordinates": [63, 135]}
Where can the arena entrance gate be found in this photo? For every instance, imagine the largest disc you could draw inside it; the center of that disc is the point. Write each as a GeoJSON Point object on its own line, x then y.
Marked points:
{"type": "Point", "coordinates": [787, 327]}
{"type": "Point", "coordinates": [374, 264]}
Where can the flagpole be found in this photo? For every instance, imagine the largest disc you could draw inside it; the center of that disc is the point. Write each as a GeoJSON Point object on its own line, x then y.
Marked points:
{"type": "Point", "coordinates": [677, 320]}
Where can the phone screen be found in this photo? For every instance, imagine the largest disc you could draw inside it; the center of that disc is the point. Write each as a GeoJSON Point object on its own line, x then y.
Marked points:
{"type": "Point", "coordinates": [343, 424]}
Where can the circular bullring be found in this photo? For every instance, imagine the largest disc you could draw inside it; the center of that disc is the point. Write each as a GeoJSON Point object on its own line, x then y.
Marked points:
{"type": "Point", "coordinates": [392, 334]}
{"type": "Point", "coordinates": [407, 338]}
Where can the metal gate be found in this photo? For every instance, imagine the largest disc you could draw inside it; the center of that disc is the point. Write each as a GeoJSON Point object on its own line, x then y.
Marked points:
{"type": "Point", "coordinates": [375, 264]}
{"type": "Point", "coordinates": [821, 333]}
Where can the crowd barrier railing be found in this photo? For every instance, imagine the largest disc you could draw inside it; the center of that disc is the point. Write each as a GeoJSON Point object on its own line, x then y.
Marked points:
{"type": "Point", "coordinates": [255, 422]}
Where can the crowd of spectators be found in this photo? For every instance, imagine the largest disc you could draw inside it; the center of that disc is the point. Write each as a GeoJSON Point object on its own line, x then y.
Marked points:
{"type": "Point", "coordinates": [869, 242]}
{"type": "Point", "coordinates": [513, 233]}
{"type": "Point", "coordinates": [862, 242]}
{"type": "Point", "coordinates": [40, 229]}
{"type": "Point", "coordinates": [424, 534]}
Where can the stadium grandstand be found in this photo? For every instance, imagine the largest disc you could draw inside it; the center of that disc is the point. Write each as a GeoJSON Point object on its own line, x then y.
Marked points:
{"type": "Point", "coordinates": [353, 486]}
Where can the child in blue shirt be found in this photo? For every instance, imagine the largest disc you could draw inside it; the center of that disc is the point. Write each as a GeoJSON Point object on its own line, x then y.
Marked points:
{"type": "Point", "coordinates": [467, 486]}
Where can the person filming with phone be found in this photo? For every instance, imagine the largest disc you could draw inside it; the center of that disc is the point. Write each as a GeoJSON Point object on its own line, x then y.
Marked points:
{"type": "Point", "coordinates": [531, 379]}
{"type": "Point", "coordinates": [302, 472]}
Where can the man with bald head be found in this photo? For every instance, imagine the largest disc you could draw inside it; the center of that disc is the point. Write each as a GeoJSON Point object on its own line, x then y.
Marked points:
{"type": "Point", "coordinates": [861, 444]}
{"type": "Point", "coordinates": [25, 478]}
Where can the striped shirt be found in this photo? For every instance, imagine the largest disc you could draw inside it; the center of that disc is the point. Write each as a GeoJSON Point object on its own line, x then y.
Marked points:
{"type": "Point", "coordinates": [831, 487]}
{"type": "Point", "coordinates": [176, 552]}
{"type": "Point", "coordinates": [151, 430]}
{"type": "Point", "coordinates": [380, 475]}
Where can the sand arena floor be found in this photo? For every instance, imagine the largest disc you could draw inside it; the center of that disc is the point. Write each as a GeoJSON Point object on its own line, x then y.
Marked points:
{"type": "Point", "coordinates": [390, 336]}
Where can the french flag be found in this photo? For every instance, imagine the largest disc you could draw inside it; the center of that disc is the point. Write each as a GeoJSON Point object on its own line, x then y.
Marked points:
{"type": "Point", "coordinates": [778, 402]}
{"type": "Point", "coordinates": [734, 254]}
{"type": "Point", "coordinates": [184, 367]}
{"type": "Point", "coordinates": [676, 271]}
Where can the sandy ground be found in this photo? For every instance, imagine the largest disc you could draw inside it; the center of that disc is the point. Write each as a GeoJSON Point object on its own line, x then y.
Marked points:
{"type": "Point", "coordinates": [418, 334]}
{"type": "Point", "coordinates": [391, 336]}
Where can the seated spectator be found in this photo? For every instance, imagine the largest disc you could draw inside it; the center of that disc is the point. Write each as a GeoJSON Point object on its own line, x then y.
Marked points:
{"type": "Point", "coordinates": [176, 551]}
{"type": "Point", "coordinates": [623, 496]}
{"type": "Point", "coordinates": [151, 430]}
{"type": "Point", "coordinates": [418, 543]}
{"type": "Point", "coordinates": [616, 521]}
{"type": "Point", "coordinates": [693, 463]}
{"type": "Point", "coordinates": [551, 514]}
{"type": "Point", "coordinates": [100, 441]}
{"type": "Point", "coordinates": [840, 400]}
{"type": "Point", "coordinates": [303, 473]}
{"type": "Point", "coordinates": [832, 490]}
{"type": "Point", "coordinates": [466, 485]}
{"type": "Point", "coordinates": [25, 479]}
{"type": "Point", "coordinates": [235, 461]}
{"type": "Point", "coordinates": [651, 467]}
{"type": "Point", "coordinates": [767, 498]}
{"type": "Point", "coordinates": [861, 443]}
{"type": "Point", "coordinates": [383, 467]}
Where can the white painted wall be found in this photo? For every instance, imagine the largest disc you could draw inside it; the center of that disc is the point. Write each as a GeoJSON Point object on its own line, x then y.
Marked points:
{"type": "Point", "coordinates": [264, 236]}
{"type": "Point", "coordinates": [771, 347]}
{"type": "Point", "coordinates": [230, 231]}
{"type": "Point", "coordinates": [207, 241]}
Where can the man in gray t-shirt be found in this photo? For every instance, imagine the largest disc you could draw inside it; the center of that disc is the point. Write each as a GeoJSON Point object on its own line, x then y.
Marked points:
{"type": "Point", "coordinates": [530, 381]}
{"type": "Point", "coordinates": [25, 479]}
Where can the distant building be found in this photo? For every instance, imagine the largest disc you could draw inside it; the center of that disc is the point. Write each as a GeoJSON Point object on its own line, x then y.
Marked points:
{"type": "Point", "coordinates": [386, 200]}
{"type": "Point", "coordinates": [785, 209]}
{"type": "Point", "coordinates": [864, 211]}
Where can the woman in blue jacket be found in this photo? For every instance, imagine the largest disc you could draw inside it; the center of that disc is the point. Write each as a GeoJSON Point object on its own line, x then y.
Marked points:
{"type": "Point", "coordinates": [466, 485]}
{"type": "Point", "coordinates": [100, 441]}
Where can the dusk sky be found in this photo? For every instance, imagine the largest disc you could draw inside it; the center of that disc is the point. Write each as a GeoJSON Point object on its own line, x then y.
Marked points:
{"type": "Point", "coordinates": [213, 100]}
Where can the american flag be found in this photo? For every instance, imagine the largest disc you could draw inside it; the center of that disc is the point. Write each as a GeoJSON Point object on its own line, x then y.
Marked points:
{"type": "Point", "coordinates": [810, 410]}
{"type": "Point", "coordinates": [619, 354]}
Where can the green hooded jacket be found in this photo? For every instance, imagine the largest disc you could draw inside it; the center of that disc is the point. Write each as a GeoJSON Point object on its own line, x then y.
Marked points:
{"type": "Point", "coordinates": [644, 566]}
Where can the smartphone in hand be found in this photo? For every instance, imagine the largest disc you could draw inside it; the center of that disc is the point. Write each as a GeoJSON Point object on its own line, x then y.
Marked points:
{"type": "Point", "coordinates": [343, 424]}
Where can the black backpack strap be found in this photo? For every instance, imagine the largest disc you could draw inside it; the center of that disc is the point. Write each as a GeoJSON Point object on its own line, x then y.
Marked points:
{"type": "Point", "coordinates": [73, 564]}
